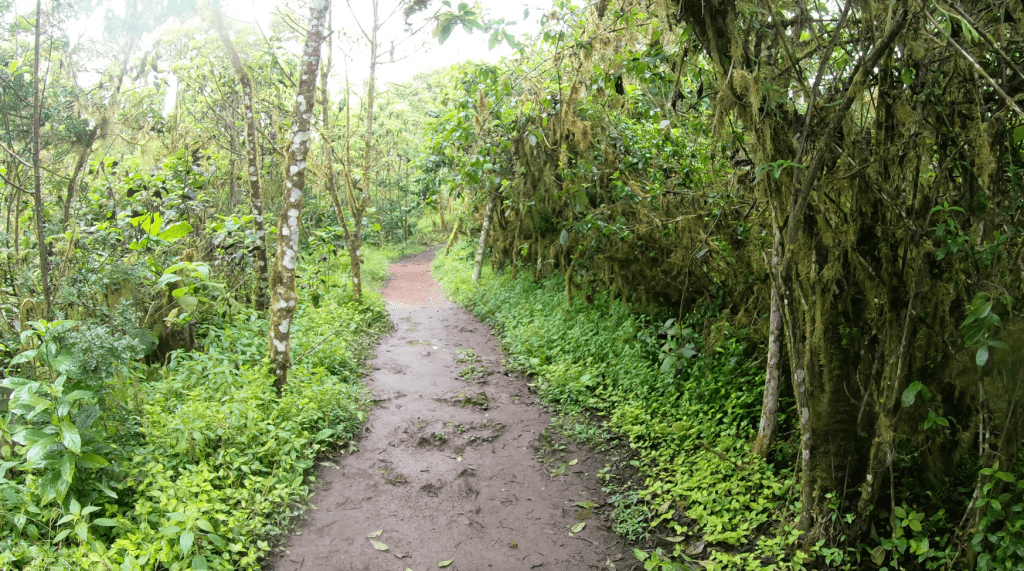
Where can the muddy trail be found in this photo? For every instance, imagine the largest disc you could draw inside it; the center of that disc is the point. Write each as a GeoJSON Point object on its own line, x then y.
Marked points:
{"type": "Point", "coordinates": [455, 463]}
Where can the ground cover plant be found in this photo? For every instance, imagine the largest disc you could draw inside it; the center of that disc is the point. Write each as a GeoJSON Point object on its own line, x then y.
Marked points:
{"type": "Point", "coordinates": [702, 496]}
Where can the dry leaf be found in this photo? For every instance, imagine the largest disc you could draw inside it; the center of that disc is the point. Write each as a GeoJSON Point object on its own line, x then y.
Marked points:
{"type": "Point", "coordinates": [579, 527]}
{"type": "Point", "coordinates": [573, 461]}
{"type": "Point", "coordinates": [376, 533]}
{"type": "Point", "coordinates": [445, 563]}
{"type": "Point", "coordinates": [379, 545]}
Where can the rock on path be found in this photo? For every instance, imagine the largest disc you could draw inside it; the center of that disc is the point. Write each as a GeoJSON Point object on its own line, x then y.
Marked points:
{"type": "Point", "coordinates": [449, 464]}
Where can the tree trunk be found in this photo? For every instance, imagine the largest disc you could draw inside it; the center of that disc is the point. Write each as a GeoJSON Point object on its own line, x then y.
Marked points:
{"type": "Point", "coordinates": [770, 406]}
{"type": "Point", "coordinates": [355, 248]}
{"type": "Point", "coordinates": [80, 161]}
{"type": "Point", "coordinates": [251, 155]}
{"type": "Point", "coordinates": [40, 214]}
{"type": "Point", "coordinates": [478, 263]}
{"type": "Point", "coordinates": [284, 297]}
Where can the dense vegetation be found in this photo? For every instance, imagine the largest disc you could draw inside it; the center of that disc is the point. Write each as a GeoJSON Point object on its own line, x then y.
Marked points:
{"type": "Point", "coordinates": [828, 194]}
{"type": "Point", "coordinates": [144, 425]}
{"type": "Point", "coordinates": [775, 247]}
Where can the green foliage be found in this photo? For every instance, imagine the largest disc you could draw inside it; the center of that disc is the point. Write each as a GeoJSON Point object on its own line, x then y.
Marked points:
{"type": "Point", "coordinates": [689, 426]}
{"type": "Point", "coordinates": [53, 416]}
{"type": "Point", "coordinates": [999, 538]}
{"type": "Point", "coordinates": [216, 465]}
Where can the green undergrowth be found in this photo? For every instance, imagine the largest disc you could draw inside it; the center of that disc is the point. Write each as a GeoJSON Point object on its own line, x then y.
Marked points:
{"type": "Point", "coordinates": [196, 464]}
{"type": "Point", "coordinates": [685, 397]}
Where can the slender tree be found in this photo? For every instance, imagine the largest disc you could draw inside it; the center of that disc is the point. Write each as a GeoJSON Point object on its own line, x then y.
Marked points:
{"type": "Point", "coordinates": [770, 405]}
{"type": "Point", "coordinates": [283, 294]}
{"type": "Point", "coordinates": [478, 263]}
{"type": "Point", "coordinates": [251, 156]}
{"type": "Point", "coordinates": [40, 214]}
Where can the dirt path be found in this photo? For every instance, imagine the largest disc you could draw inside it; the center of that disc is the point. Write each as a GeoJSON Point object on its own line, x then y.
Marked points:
{"type": "Point", "coordinates": [446, 473]}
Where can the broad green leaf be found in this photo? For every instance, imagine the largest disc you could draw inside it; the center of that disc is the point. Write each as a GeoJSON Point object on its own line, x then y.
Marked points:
{"type": "Point", "coordinates": [574, 461]}
{"type": "Point", "coordinates": [325, 433]}
{"type": "Point", "coordinates": [185, 540]}
{"type": "Point", "coordinates": [379, 545]}
{"type": "Point", "coordinates": [444, 30]}
{"type": "Point", "coordinates": [166, 279]}
{"type": "Point", "coordinates": [199, 563]}
{"type": "Point", "coordinates": [67, 471]}
{"type": "Point", "coordinates": [82, 530]}
{"type": "Point", "coordinates": [92, 461]}
{"type": "Point", "coordinates": [204, 525]}
{"type": "Point", "coordinates": [910, 394]}
{"type": "Point", "coordinates": [640, 554]}
{"type": "Point", "coordinates": [70, 437]}
{"type": "Point", "coordinates": [445, 563]}
{"type": "Point", "coordinates": [105, 522]}
{"type": "Point", "coordinates": [188, 302]}
{"type": "Point", "coordinates": [53, 487]}
{"type": "Point", "coordinates": [24, 356]}
{"type": "Point", "coordinates": [579, 527]}
{"type": "Point", "coordinates": [175, 231]}
{"type": "Point", "coordinates": [982, 357]}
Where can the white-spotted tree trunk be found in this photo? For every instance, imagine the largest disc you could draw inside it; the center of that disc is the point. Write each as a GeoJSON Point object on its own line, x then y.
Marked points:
{"type": "Point", "coordinates": [251, 158]}
{"type": "Point", "coordinates": [283, 295]}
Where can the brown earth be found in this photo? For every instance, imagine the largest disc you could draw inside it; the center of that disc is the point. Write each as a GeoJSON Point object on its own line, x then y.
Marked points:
{"type": "Point", "coordinates": [452, 467]}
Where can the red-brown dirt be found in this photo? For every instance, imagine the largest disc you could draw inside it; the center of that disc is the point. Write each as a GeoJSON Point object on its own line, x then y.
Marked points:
{"type": "Point", "coordinates": [448, 474]}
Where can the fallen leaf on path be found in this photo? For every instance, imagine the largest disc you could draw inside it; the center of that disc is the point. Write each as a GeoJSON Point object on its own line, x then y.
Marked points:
{"type": "Point", "coordinates": [574, 461]}
{"type": "Point", "coordinates": [379, 545]}
{"type": "Point", "coordinates": [445, 563]}
{"type": "Point", "coordinates": [512, 544]}
{"type": "Point", "coordinates": [588, 504]}
{"type": "Point", "coordinates": [399, 555]}
{"type": "Point", "coordinates": [579, 527]}
{"type": "Point", "coordinates": [560, 470]}
{"type": "Point", "coordinates": [376, 533]}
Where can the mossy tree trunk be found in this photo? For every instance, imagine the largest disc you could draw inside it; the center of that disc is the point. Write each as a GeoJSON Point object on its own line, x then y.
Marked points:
{"type": "Point", "coordinates": [768, 425]}
{"type": "Point", "coordinates": [481, 247]}
{"type": "Point", "coordinates": [284, 297]}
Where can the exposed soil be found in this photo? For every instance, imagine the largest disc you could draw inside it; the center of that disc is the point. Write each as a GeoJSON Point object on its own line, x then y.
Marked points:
{"type": "Point", "coordinates": [455, 462]}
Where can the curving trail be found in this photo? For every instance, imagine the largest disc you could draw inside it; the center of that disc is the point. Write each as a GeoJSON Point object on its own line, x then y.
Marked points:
{"type": "Point", "coordinates": [452, 467]}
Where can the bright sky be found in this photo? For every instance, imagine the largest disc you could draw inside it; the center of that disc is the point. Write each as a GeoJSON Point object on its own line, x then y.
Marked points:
{"type": "Point", "coordinates": [415, 55]}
